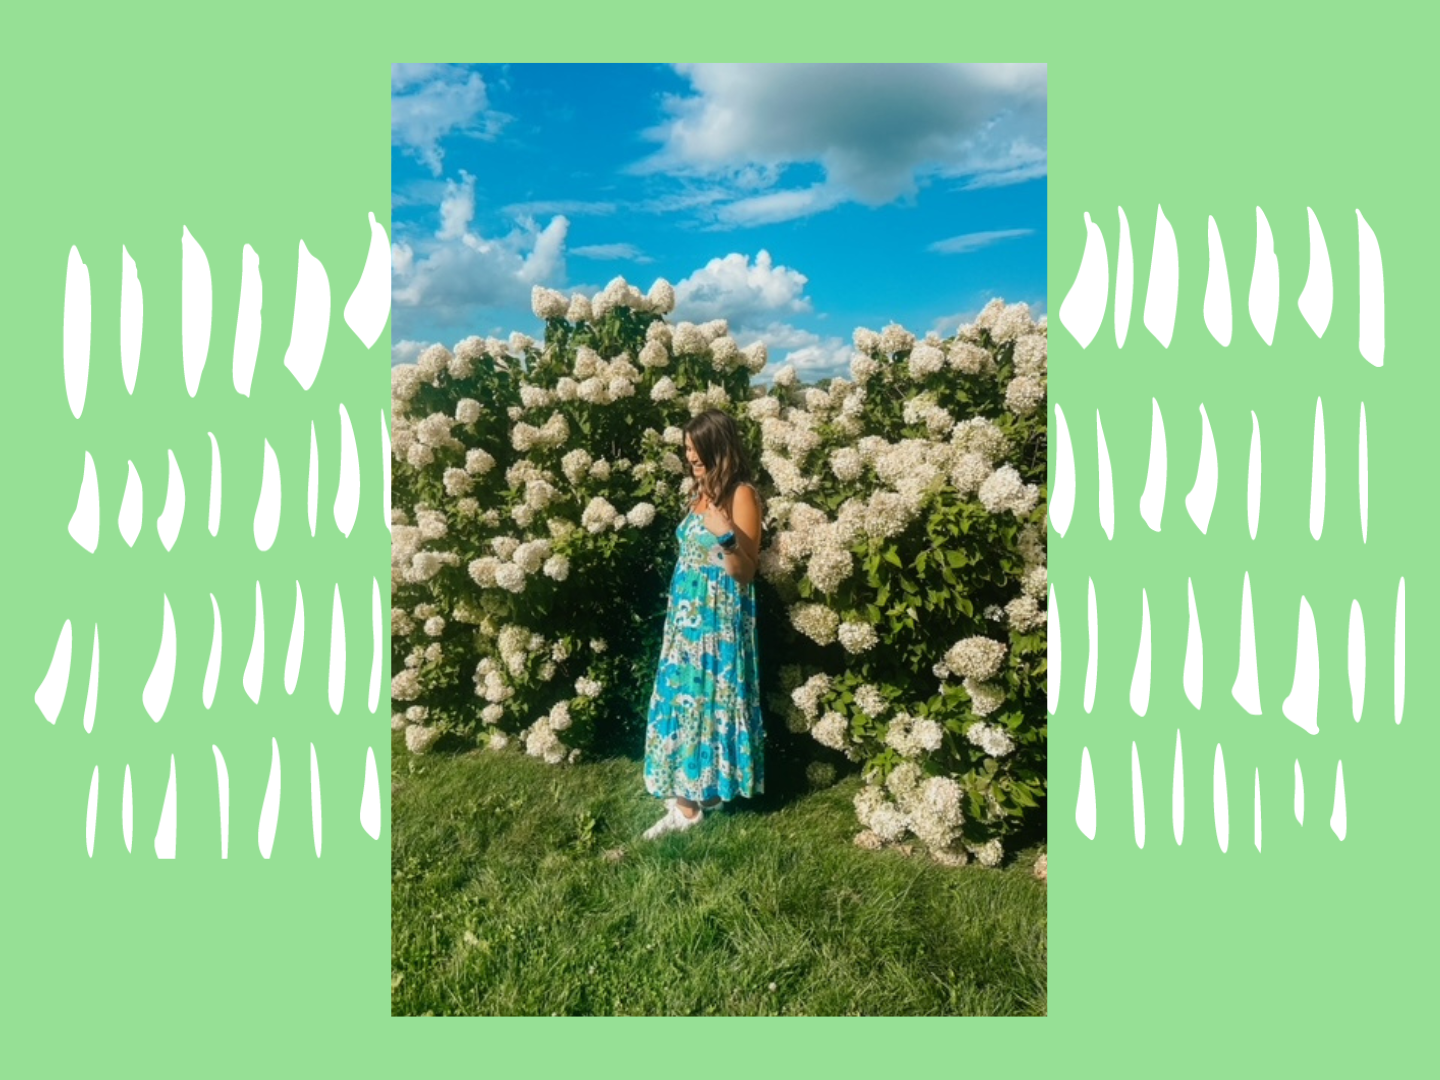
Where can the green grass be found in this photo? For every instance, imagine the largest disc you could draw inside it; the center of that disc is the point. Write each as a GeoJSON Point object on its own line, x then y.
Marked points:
{"type": "Point", "coordinates": [524, 889]}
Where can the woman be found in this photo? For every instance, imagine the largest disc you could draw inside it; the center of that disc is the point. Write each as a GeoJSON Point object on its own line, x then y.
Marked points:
{"type": "Point", "coordinates": [704, 743]}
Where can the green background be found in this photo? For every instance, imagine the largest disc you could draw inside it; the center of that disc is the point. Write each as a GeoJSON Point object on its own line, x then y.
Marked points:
{"type": "Point", "coordinates": [267, 127]}
{"type": "Point", "coordinates": [1314, 951]}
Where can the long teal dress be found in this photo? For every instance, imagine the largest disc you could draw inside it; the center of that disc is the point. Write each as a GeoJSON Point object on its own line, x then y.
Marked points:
{"type": "Point", "coordinates": [705, 739]}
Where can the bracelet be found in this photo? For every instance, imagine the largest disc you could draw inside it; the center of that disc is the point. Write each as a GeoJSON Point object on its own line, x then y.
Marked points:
{"type": "Point", "coordinates": [727, 541]}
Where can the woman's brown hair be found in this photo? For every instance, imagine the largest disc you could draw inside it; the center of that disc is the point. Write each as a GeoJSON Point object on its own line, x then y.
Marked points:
{"type": "Point", "coordinates": [717, 443]}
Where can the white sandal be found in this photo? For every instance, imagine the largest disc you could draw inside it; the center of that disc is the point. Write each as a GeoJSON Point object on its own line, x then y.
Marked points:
{"type": "Point", "coordinates": [673, 821]}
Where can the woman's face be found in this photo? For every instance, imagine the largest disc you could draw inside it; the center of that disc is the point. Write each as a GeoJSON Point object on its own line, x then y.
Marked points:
{"type": "Point", "coordinates": [697, 467]}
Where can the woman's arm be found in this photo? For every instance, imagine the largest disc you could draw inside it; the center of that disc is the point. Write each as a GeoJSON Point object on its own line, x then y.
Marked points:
{"type": "Point", "coordinates": [744, 558]}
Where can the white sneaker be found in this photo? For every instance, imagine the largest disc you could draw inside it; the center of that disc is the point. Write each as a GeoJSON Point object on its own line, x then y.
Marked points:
{"type": "Point", "coordinates": [673, 821]}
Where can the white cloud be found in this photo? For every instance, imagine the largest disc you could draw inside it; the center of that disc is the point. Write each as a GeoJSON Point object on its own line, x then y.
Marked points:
{"type": "Point", "coordinates": [407, 352]}
{"type": "Point", "coordinates": [569, 207]}
{"type": "Point", "coordinates": [457, 272]}
{"type": "Point", "coordinates": [628, 252]}
{"type": "Point", "coordinates": [429, 102]}
{"type": "Point", "coordinates": [744, 293]}
{"type": "Point", "coordinates": [959, 245]}
{"type": "Point", "coordinates": [879, 131]}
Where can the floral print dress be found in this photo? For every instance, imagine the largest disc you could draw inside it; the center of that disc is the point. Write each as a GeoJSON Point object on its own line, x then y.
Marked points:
{"type": "Point", "coordinates": [704, 740]}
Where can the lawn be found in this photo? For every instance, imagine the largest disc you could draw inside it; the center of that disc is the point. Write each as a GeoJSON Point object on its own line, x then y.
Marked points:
{"type": "Point", "coordinates": [520, 888]}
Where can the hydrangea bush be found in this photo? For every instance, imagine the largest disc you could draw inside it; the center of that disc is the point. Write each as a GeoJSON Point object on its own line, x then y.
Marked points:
{"type": "Point", "coordinates": [536, 490]}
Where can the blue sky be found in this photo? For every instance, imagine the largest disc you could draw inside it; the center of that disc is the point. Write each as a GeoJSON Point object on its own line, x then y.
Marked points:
{"type": "Point", "coordinates": [797, 201]}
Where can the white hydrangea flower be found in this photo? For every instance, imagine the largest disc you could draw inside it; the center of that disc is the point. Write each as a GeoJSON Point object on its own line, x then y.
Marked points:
{"type": "Point", "coordinates": [832, 731]}
{"type": "Point", "coordinates": [420, 739]}
{"type": "Point", "coordinates": [978, 658]}
{"type": "Point", "coordinates": [641, 515]}
{"type": "Point", "coordinates": [547, 303]}
{"type": "Point", "coordinates": [579, 309]}
{"type": "Point", "coordinates": [1004, 490]}
{"type": "Point", "coordinates": [557, 567]}
{"type": "Point", "coordinates": [587, 687]}
{"type": "Point", "coordinates": [1024, 395]}
{"type": "Point", "coordinates": [993, 739]}
{"type": "Point", "coordinates": [786, 376]}
{"type": "Point", "coordinates": [467, 410]}
{"type": "Point", "coordinates": [857, 637]}
{"type": "Point", "coordinates": [816, 621]}
{"type": "Point", "coordinates": [985, 698]}
{"type": "Point", "coordinates": [870, 701]}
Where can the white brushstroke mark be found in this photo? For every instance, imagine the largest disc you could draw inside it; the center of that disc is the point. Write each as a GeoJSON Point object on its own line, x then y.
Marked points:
{"type": "Point", "coordinates": [1222, 803]}
{"type": "Point", "coordinates": [90, 812]}
{"type": "Point", "coordinates": [337, 654]}
{"type": "Point", "coordinates": [1247, 677]}
{"type": "Point", "coordinates": [1217, 290]}
{"type": "Point", "coordinates": [1085, 805]}
{"type": "Point", "coordinates": [1140, 681]}
{"type": "Point", "coordinates": [214, 522]}
{"type": "Point", "coordinates": [127, 812]}
{"type": "Point", "coordinates": [1164, 286]}
{"type": "Point", "coordinates": [85, 522]}
{"type": "Point", "coordinates": [312, 491]}
{"type": "Point", "coordinates": [1201, 500]}
{"type": "Point", "coordinates": [1152, 499]}
{"type": "Point", "coordinates": [312, 319]}
{"type": "Point", "coordinates": [1337, 813]}
{"type": "Point", "coordinates": [1265, 281]}
{"type": "Point", "coordinates": [1105, 488]}
{"type": "Point", "coordinates": [369, 305]}
{"type": "Point", "coordinates": [212, 667]}
{"type": "Point", "coordinates": [347, 495]}
{"type": "Point", "coordinates": [50, 695]}
{"type": "Point", "coordinates": [1252, 489]}
{"type": "Point", "coordinates": [255, 665]}
{"type": "Point", "coordinates": [92, 695]}
{"type": "Point", "coordinates": [195, 302]}
{"type": "Point", "coordinates": [315, 798]}
{"type": "Point", "coordinates": [1317, 474]}
{"type": "Point", "coordinates": [1124, 281]}
{"type": "Point", "coordinates": [370, 797]}
{"type": "Point", "coordinates": [132, 506]}
{"type": "Point", "coordinates": [385, 462]}
{"type": "Point", "coordinates": [375, 656]}
{"type": "Point", "coordinates": [1137, 796]}
{"type": "Point", "coordinates": [1372, 295]}
{"type": "Point", "coordinates": [168, 523]}
{"type": "Point", "coordinates": [165, 833]}
{"type": "Point", "coordinates": [77, 331]}
{"type": "Point", "coordinates": [222, 780]}
{"type": "Point", "coordinates": [1400, 652]}
{"type": "Point", "coordinates": [1364, 480]}
{"type": "Point", "coordinates": [1083, 308]}
{"type": "Point", "coordinates": [1177, 794]}
{"type": "Point", "coordinates": [1092, 665]}
{"type": "Point", "coordinates": [270, 808]}
{"type": "Point", "coordinates": [1299, 794]}
{"type": "Point", "coordinates": [248, 321]}
{"type": "Point", "coordinates": [1257, 809]}
{"type": "Point", "coordinates": [156, 695]}
{"type": "Point", "coordinates": [1062, 502]}
{"type": "Point", "coordinates": [297, 643]}
{"type": "Point", "coordinates": [1302, 706]}
{"type": "Point", "coordinates": [267, 510]}
{"type": "Point", "coordinates": [1356, 653]}
{"type": "Point", "coordinates": [1318, 296]}
{"type": "Point", "coordinates": [1194, 653]}
{"type": "Point", "coordinates": [132, 319]}
{"type": "Point", "coordinates": [1052, 631]}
